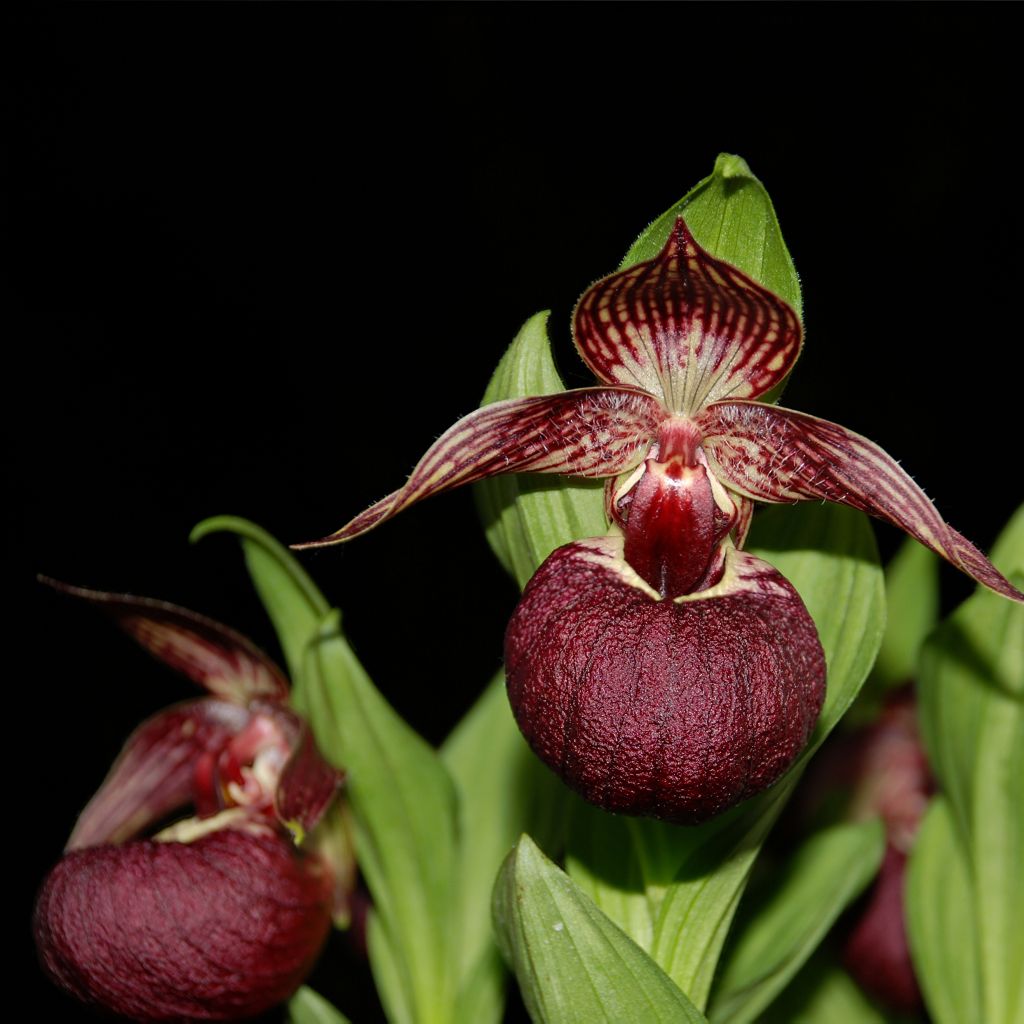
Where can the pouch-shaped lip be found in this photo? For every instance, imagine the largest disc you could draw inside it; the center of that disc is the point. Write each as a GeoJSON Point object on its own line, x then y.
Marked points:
{"type": "Point", "coordinates": [221, 928]}
{"type": "Point", "coordinates": [675, 709]}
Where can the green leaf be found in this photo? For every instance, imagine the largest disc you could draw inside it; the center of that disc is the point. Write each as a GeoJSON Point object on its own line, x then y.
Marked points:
{"type": "Point", "coordinates": [573, 964]}
{"type": "Point", "coordinates": [503, 790]}
{"type": "Point", "coordinates": [730, 215]}
{"type": "Point", "coordinates": [823, 993]}
{"type": "Point", "coordinates": [819, 881]}
{"type": "Point", "coordinates": [912, 599]}
{"type": "Point", "coordinates": [527, 515]}
{"type": "Point", "coordinates": [940, 920]}
{"type": "Point", "coordinates": [971, 701]}
{"type": "Point", "coordinates": [295, 605]}
{"type": "Point", "coordinates": [606, 858]}
{"type": "Point", "coordinates": [307, 1007]}
{"type": "Point", "coordinates": [691, 879]}
{"type": "Point", "coordinates": [392, 984]}
{"type": "Point", "coordinates": [404, 807]}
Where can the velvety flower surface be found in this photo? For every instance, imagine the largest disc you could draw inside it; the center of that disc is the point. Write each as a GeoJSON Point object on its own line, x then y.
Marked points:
{"type": "Point", "coordinates": [219, 916]}
{"type": "Point", "coordinates": [220, 928]}
{"type": "Point", "coordinates": [662, 670]}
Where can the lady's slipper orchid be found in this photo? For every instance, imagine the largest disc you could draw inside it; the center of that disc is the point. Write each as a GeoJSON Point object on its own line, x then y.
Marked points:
{"type": "Point", "coordinates": [219, 916]}
{"type": "Point", "coordinates": [661, 670]}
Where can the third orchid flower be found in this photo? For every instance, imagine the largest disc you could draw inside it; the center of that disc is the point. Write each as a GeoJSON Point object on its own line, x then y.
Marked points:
{"type": "Point", "coordinates": [660, 669]}
{"type": "Point", "coordinates": [222, 914]}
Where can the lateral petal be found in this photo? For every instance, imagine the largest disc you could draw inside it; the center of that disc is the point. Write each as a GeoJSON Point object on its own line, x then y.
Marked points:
{"type": "Point", "coordinates": [592, 432]}
{"type": "Point", "coordinates": [155, 771]}
{"type": "Point", "coordinates": [207, 652]}
{"type": "Point", "coordinates": [778, 455]}
{"type": "Point", "coordinates": [307, 786]}
{"type": "Point", "coordinates": [687, 326]}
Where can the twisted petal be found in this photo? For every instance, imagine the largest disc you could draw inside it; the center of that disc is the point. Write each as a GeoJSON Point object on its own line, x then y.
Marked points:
{"type": "Point", "coordinates": [154, 773]}
{"type": "Point", "coordinates": [773, 454]}
{"type": "Point", "coordinates": [209, 653]}
{"type": "Point", "coordinates": [593, 432]}
{"type": "Point", "coordinates": [688, 327]}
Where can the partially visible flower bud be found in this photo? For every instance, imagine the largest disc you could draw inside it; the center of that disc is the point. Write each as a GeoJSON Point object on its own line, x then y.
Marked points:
{"type": "Point", "coordinates": [877, 953]}
{"type": "Point", "coordinates": [893, 781]}
{"type": "Point", "coordinates": [880, 771]}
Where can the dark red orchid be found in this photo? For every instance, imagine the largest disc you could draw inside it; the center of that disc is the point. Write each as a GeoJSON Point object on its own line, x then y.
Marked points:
{"type": "Point", "coordinates": [891, 780]}
{"type": "Point", "coordinates": [662, 670]}
{"type": "Point", "coordinates": [221, 915]}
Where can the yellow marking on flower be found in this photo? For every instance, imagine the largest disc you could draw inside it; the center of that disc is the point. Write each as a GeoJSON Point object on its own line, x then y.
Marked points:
{"type": "Point", "coordinates": [297, 832]}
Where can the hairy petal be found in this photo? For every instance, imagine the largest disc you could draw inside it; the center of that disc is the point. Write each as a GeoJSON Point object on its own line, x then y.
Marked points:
{"type": "Point", "coordinates": [777, 455]}
{"type": "Point", "coordinates": [209, 653]}
{"type": "Point", "coordinates": [593, 432]}
{"type": "Point", "coordinates": [688, 327]}
{"type": "Point", "coordinates": [155, 771]}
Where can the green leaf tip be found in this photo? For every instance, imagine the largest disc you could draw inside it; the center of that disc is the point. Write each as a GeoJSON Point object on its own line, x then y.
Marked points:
{"type": "Point", "coordinates": [249, 531]}
{"type": "Point", "coordinates": [309, 1007]}
{"type": "Point", "coordinates": [731, 215]}
{"type": "Point", "coordinates": [729, 165]}
{"type": "Point", "coordinates": [573, 964]}
{"type": "Point", "coordinates": [291, 598]}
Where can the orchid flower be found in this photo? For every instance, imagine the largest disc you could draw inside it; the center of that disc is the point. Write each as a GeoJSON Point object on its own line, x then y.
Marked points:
{"type": "Point", "coordinates": [221, 915]}
{"type": "Point", "coordinates": [662, 670]}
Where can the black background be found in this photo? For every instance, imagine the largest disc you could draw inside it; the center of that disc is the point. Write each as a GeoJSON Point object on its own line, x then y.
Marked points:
{"type": "Point", "coordinates": [259, 256]}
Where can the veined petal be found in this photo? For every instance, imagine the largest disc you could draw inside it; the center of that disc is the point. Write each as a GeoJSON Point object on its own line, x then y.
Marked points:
{"type": "Point", "coordinates": [777, 455]}
{"type": "Point", "coordinates": [155, 772]}
{"type": "Point", "coordinates": [592, 432]}
{"type": "Point", "coordinates": [209, 653]}
{"type": "Point", "coordinates": [688, 327]}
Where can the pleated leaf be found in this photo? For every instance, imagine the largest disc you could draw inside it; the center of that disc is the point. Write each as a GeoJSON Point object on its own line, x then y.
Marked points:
{"type": "Point", "coordinates": [574, 966]}
{"type": "Point", "coordinates": [940, 920]}
{"type": "Point", "coordinates": [818, 882]}
{"type": "Point", "coordinates": [912, 601]}
{"type": "Point", "coordinates": [404, 807]}
{"type": "Point", "coordinates": [503, 790]}
{"type": "Point", "coordinates": [823, 993]}
{"type": "Point", "coordinates": [971, 699]}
